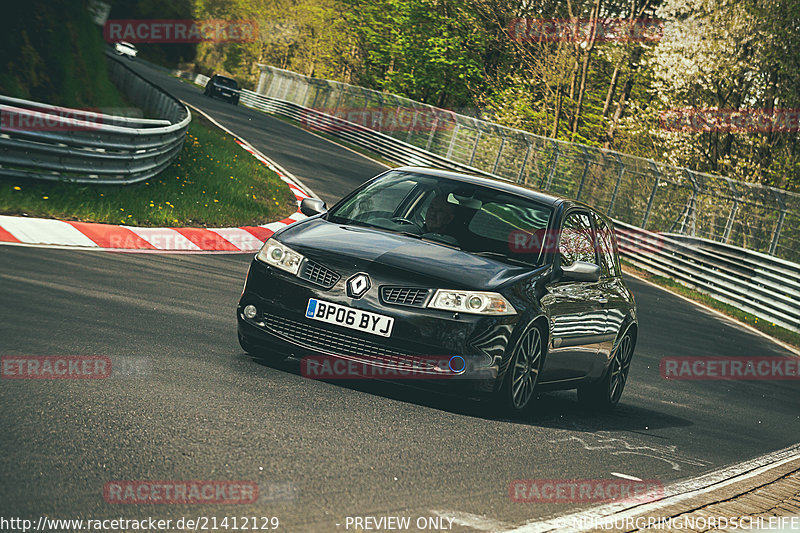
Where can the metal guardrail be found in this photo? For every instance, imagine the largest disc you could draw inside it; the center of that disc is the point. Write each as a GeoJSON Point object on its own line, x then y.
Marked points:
{"type": "Point", "coordinates": [41, 141]}
{"type": "Point", "coordinates": [757, 283]}
{"type": "Point", "coordinates": [637, 191]}
{"type": "Point", "coordinates": [753, 282]}
{"type": "Point", "coordinates": [356, 134]}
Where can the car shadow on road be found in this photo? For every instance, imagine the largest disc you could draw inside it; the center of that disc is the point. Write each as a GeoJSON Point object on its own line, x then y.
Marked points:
{"type": "Point", "coordinates": [558, 410]}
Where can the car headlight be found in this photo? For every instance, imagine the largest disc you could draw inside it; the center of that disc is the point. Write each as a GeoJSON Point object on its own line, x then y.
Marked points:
{"type": "Point", "coordinates": [278, 255]}
{"type": "Point", "coordinates": [478, 303]}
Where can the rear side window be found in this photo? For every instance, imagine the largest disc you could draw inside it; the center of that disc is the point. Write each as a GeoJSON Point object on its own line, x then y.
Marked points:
{"type": "Point", "coordinates": [576, 241]}
{"type": "Point", "coordinates": [605, 245]}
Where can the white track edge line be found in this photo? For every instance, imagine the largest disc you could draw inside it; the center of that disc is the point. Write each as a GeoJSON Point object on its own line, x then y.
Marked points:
{"type": "Point", "coordinates": [679, 491]}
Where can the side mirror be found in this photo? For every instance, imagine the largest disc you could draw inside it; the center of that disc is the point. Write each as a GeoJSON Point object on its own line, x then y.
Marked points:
{"type": "Point", "coordinates": [312, 206]}
{"type": "Point", "coordinates": [580, 271]}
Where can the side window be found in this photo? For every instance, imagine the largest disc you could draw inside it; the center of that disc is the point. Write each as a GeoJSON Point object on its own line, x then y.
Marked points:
{"type": "Point", "coordinates": [576, 240]}
{"type": "Point", "coordinates": [605, 245]}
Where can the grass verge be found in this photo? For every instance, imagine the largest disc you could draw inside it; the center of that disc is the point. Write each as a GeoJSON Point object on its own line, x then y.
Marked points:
{"type": "Point", "coordinates": [763, 325]}
{"type": "Point", "coordinates": [213, 182]}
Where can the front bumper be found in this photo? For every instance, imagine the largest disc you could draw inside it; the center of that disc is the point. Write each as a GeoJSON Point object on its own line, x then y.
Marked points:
{"type": "Point", "coordinates": [424, 338]}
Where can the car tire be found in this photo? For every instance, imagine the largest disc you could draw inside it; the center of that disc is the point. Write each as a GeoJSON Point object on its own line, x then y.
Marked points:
{"type": "Point", "coordinates": [518, 390]}
{"type": "Point", "coordinates": [604, 395]}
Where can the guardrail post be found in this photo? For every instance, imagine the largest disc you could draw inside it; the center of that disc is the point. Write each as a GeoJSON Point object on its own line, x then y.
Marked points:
{"type": "Point", "coordinates": [261, 80]}
{"type": "Point", "coordinates": [689, 210]}
{"type": "Point", "coordinates": [453, 141]}
{"type": "Point", "coordinates": [773, 246]}
{"type": "Point", "coordinates": [499, 152]}
{"type": "Point", "coordinates": [338, 101]}
{"type": "Point", "coordinates": [475, 147]}
{"type": "Point", "coordinates": [586, 162]}
{"type": "Point", "coordinates": [524, 161]}
{"type": "Point", "coordinates": [413, 126]}
{"type": "Point", "coordinates": [729, 225]}
{"type": "Point", "coordinates": [553, 165]}
{"type": "Point", "coordinates": [652, 194]}
{"type": "Point", "coordinates": [430, 136]}
{"type": "Point", "coordinates": [616, 186]}
{"type": "Point", "coordinates": [316, 95]}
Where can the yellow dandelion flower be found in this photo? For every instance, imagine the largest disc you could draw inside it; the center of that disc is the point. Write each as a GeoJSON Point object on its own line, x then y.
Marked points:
{"type": "Point", "coordinates": [45, 197]}
{"type": "Point", "coordinates": [215, 200]}
{"type": "Point", "coordinates": [20, 188]}
{"type": "Point", "coordinates": [121, 209]}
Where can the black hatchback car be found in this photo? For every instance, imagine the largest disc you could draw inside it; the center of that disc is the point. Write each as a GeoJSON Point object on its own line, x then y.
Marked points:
{"type": "Point", "coordinates": [523, 290]}
{"type": "Point", "coordinates": [224, 88]}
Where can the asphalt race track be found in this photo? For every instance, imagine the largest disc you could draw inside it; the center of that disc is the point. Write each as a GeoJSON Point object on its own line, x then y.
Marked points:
{"type": "Point", "coordinates": [193, 406]}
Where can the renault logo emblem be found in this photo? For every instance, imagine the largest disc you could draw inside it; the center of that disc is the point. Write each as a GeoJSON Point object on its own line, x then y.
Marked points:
{"type": "Point", "coordinates": [358, 285]}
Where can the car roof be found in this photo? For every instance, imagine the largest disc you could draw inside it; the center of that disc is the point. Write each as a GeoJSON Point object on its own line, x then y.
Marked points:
{"type": "Point", "coordinates": [505, 186]}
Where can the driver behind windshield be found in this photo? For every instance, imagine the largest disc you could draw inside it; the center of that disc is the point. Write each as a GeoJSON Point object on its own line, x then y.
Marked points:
{"type": "Point", "coordinates": [440, 219]}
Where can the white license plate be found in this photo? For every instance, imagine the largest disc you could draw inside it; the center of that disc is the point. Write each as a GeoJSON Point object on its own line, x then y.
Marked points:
{"type": "Point", "coordinates": [350, 318]}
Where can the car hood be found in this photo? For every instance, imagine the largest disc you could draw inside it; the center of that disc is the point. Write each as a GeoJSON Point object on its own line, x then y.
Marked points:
{"type": "Point", "coordinates": [426, 261]}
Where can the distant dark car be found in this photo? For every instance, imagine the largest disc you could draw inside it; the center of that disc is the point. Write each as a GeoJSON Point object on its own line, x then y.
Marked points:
{"type": "Point", "coordinates": [523, 289]}
{"type": "Point", "coordinates": [224, 88]}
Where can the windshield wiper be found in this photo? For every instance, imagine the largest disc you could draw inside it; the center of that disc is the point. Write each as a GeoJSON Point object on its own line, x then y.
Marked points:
{"type": "Point", "coordinates": [504, 257]}
{"type": "Point", "coordinates": [362, 224]}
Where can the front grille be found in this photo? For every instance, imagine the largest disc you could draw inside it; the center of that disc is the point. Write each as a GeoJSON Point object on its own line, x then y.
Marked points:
{"type": "Point", "coordinates": [318, 274]}
{"type": "Point", "coordinates": [412, 296]}
{"type": "Point", "coordinates": [335, 343]}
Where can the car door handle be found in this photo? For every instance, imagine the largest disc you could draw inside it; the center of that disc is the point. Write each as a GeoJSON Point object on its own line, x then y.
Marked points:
{"type": "Point", "coordinates": [602, 301]}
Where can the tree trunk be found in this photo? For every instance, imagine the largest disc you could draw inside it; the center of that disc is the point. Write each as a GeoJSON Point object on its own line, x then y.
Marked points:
{"type": "Point", "coordinates": [554, 133]}
{"type": "Point", "coordinates": [623, 98]}
{"type": "Point", "coordinates": [612, 87]}
{"type": "Point", "coordinates": [585, 66]}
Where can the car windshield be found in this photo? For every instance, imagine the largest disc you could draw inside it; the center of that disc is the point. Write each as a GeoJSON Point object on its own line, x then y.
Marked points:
{"type": "Point", "coordinates": [470, 217]}
{"type": "Point", "coordinates": [226, 82]}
